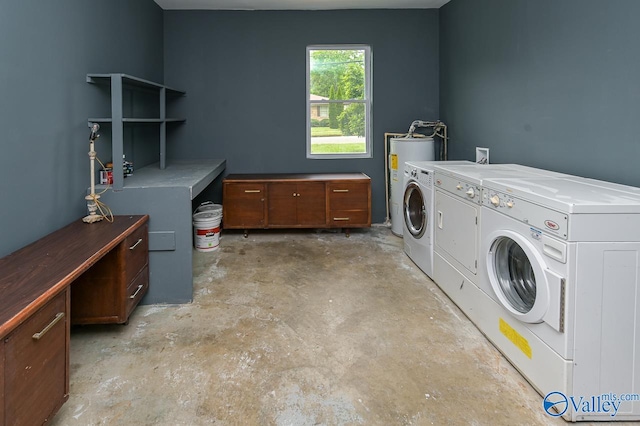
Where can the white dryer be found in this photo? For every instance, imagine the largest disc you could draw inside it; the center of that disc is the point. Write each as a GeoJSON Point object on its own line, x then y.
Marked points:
{"type": "Point", "coordinates": [562, 257]}
{"type": "Point", "coordinates": [418, 208]}
{"type": "Point", "coordinates": [458, 202]}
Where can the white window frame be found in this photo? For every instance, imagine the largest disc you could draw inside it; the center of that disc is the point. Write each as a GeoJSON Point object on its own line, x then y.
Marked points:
{"type": "Point", "coordinates": [367, 101]}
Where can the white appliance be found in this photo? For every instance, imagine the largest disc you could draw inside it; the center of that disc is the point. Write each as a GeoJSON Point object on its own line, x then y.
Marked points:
{"type": "Point", "coordinates": [458, 202]}
{"type": "Point", "coordinates": [418, 211]}
{"type": "Point", "coordinates": [562, 258]}
{"type": "Point", "coordinates": [402, 150]}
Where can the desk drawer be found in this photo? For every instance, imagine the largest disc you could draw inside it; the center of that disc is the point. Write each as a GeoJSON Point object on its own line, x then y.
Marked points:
{"type": "Point", "coordinates": [137, 289]}
{"type": "Point", "coordinates": [136, 252]}
{"type": "Point", "coordinates": [36, 365]}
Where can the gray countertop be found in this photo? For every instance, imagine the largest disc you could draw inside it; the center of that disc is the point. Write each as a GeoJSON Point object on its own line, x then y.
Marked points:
{"type": "Point", "coordinates": [192, 174]}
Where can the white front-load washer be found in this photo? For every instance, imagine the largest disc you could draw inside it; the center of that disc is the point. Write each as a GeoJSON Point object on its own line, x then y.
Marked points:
{"type": "Point", "coordinates": [402, 150]}
{"type": "Point", "coordinates": [458, 202]}
{"type": "Point", "coordinates": [417, 208]}
{"type": "Point", "coordinates": [562, 257]}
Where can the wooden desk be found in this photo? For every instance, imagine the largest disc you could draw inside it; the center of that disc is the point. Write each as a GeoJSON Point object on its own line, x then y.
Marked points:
{"type": "Point", "coordinates": [34, 313]}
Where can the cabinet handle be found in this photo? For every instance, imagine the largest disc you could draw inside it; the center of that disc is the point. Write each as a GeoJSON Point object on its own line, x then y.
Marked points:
{"type": "Point", "coordinates": [340, 190]}
{"type": "Point", "coordinates": [251, 191]}
{"type": "Point", "coordinates": [137, 242]}
{"type": "Point", "coordinates": [340, 218]}
{"type": "Point", "coordinates": [39, 335]}
{"type": "Point", "coordinates": [133, 296]}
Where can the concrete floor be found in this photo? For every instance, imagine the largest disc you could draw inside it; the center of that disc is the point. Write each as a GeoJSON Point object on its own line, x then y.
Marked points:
{"type": "Point", "coordinates": [298, 328]}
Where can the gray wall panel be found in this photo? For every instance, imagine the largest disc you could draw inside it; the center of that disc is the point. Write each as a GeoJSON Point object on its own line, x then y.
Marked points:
{"type": "Point", "coordinates": [46, 50]}
{"type": "Point", "coordinates": [547, 83]}
{"type": "Point", "coordinates": [244, 73]}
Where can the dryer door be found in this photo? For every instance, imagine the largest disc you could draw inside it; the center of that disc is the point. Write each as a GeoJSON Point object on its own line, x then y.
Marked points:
{"type": "Point", "coordinates": [520, 280]}
{"type": "Point", "coordinates": [415, 214]}
{"type": "Point", "coordinates": [456, 230]}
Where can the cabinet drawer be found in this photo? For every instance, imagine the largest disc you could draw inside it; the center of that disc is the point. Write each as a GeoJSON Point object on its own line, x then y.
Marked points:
{"type": "Point", "coordinates": [348, 196]}
{"type": "Point", "coordinates": [248, 190]}
{"type": "Point", "coordinates": [346, 218]}
{"type": "Point", "coordinates": [36, 365]}
{"type": "Point", "coordinates": [136, 252]}
{"type": "Point", "coordinates": [137, 289]}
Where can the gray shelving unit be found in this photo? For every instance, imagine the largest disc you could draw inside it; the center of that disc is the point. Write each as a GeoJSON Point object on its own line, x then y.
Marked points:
{"type": "Point", "coordinates": [118, 83]}
{"type": "Point", "coordinates": [163, 190]}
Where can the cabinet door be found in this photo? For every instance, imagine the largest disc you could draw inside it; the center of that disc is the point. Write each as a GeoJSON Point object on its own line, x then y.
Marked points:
{"type": "Point", "coordinates": [243, 205]}
{"type": "Point", "coordinates": [282, 204]}
{"type": "Point", "coordinates": [311, 207]}
{"type": "Point", "coordinates": [36, 365]}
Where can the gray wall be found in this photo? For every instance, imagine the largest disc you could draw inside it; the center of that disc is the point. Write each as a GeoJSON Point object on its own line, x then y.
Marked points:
{"type": "Point", "coordinates": [244, 73]}
{"type": "Point", "coordinates": [46, 50]}
{"type": "Point", "coordinates": [546, 83]}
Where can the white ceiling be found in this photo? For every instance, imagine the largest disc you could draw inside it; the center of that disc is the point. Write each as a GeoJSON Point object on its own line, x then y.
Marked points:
{"type": "Point", "coordinates": [299, 4]}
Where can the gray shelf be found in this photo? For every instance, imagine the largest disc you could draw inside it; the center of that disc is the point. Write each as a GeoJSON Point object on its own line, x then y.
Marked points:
{"type": "Point", "coordinates": [130, 81]}
{"type": "Point", "coordinates": [117, 83]}
{"type": "Point", "coordinates": [138, 120]}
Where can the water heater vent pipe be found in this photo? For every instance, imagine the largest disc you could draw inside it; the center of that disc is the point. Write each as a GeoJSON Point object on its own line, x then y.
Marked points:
{"type": "Point", "coordinates": [439, 129]}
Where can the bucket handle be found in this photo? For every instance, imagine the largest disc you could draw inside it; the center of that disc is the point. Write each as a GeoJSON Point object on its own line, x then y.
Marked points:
{"type": "Point", "coordinates": [206, 203]}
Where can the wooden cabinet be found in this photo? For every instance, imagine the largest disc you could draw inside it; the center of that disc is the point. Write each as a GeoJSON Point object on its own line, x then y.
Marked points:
{"type": "Point", "coordinates": [296, 204]}
{"type": "Point", "coordinates": [36, 364]}
{"type": "Point", "coordinates": [329, 200]}
{"type": "Point", "coordinates": [113, 287]}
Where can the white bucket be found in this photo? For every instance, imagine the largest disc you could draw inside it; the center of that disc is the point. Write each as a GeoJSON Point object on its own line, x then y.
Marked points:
{"type": "Point", "coordinates": [208, 206]}
{"type": "Point", "coordinates": [206, 230]}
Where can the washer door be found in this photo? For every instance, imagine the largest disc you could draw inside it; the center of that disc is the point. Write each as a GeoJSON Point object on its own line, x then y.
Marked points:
{"type": "Point", "coordinates": [516, 272]}
{"type": "Point", "coordinates": [415, 215]}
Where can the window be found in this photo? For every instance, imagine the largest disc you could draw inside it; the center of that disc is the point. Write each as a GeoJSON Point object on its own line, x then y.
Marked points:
{"type": "Point", "coordinates": [339, 101]}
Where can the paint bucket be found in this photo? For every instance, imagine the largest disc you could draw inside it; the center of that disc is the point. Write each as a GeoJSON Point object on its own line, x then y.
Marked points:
{"type": "Point", "coordinates": [206, 230]}
{"type": "Point", "coordinates": [209, 206]}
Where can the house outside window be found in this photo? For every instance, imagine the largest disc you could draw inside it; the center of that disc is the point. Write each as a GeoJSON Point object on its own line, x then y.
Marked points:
{"type": "Point", "coordinates": [339, 101]}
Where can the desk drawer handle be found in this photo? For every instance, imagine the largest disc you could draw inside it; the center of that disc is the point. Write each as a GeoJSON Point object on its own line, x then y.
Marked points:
{"type": "Point", "coordinates": [133, 296]}
{"type": "Point", "coordinates": [340, 190]}
{"type": "Point", "coordinates": [252, 191]}
{"type": "Point", "coordinates": [137, 242]}
{"type": "Point", "coordinates": [39, 335]}
{"type": "Point", "coordinates": [340, 218]}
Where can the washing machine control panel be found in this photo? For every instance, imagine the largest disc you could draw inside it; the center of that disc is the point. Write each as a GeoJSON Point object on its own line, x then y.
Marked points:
{"type": "Point", "coordinates": [425, 177]}
{"type": "Point", "coordinates": [542, 218]}
{"type": "Point", "coordinates": [458, 187]}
